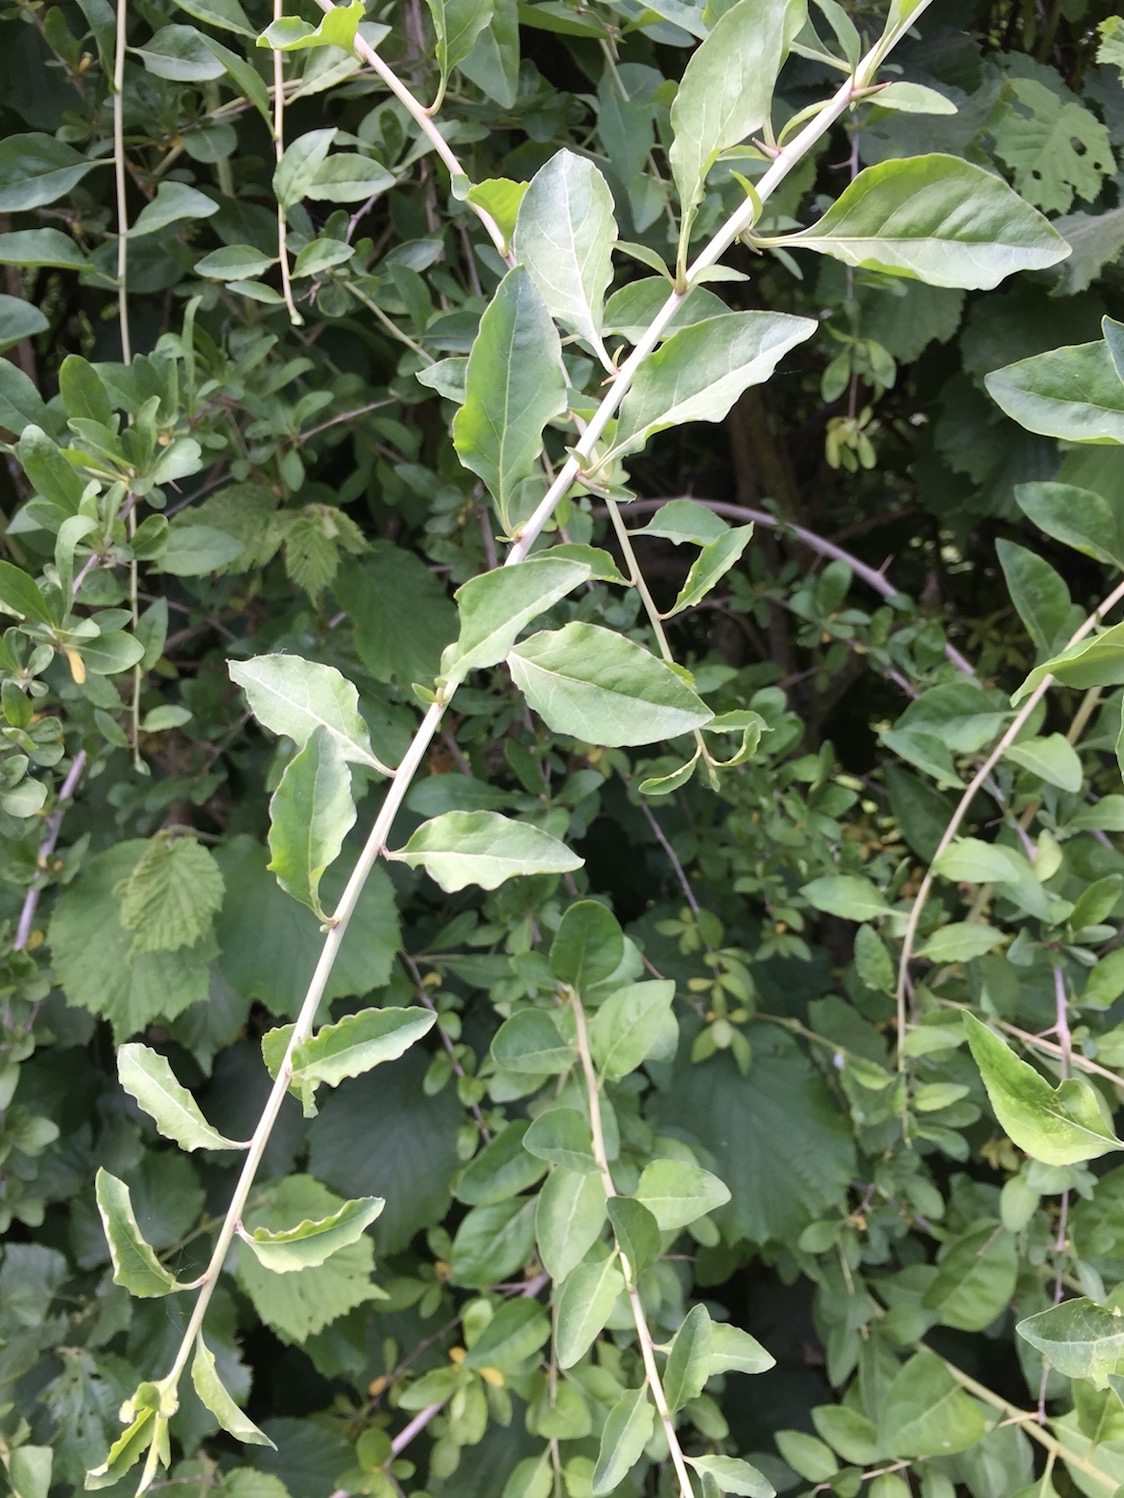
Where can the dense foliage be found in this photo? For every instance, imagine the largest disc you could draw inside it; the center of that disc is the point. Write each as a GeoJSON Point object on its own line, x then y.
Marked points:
{"type": "Point", "coordinates": [557, 566]}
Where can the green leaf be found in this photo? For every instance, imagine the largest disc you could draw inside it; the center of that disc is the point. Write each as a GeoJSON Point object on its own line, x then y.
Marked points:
{"type": "Point", "coordinates": [1057, 1125]}
{"type": "Point", "coordinates": [1073, 393]}
{"type": "Point", "coordinates": [710, 566]}
{"type": "Point", "coordinates": [337, 29]}
{"type": "Point", "coordinates": [348, 177]}
{"type": "Point", "coordinates": [975, 1279]}
{"type": "Point", "coordinates": [588, 946]}
{"type": "Point", "coordinates": [733, 1475]}
{"type": "Point", "coordinates": [912, 98]}
{"type": "Point", "coordinates": [227, 15]}
{"type": "Point", "coordinates": [501, 1170]}
{"type": "Point", "coordinates": [207, 1384]}
{"type": "Point", "coordinates": [847, 896]}
{"type": "Point", "coordinates": [688, 1361]}
{"type": "Point", "coordinates": [1076, 517]}
{"type": "Point", "coordinates": [1040, 596]}
{"type": "Point", "coordinates": [301, 1304]}
{"type": "Point", "coordinates": [310, 1244]}
{"type": "Point", "coordinates": [678, 1193]}
{"type": "Point", "coordinates": [726, 92]}
{"type": "Point", "coordinates": [37, 169]}
{"type": "Point", "coordinates": [623, 1440]}
{"type": "Point", "coordinates": [564, 236]}
{"type": "Point", "coordinates": [872, 961]}
{"type": "Point", "coordinates": [499, 196]}
{"type": "Point", "coordinates": [936, 219]}
{"type": "Point", "coordinates": [1096, 661]}
{"type": "Point", "coordinates": [1052, 759]}
{"type": "Point", "coordinates": [294, 697]}
{"type": "Point", "coordinates": [235, 262]}
{"type": "Point", "coordinates": [359, 1042]}
{"type": "Point", "coordinates": [484, 848]}
{"type": "Point", "coordinates": [19, 320]}
{"type": "Point", "coordinates": [21, 407]}
{"type": "Point", "coordinates": [493, 1243]}
{"type": "Point", "coordinates": [493, 63]}
{"type": "Point", "coordinates": [148, 1078]}
{"type": "Point", "coordinates": [514, 1334]}
{"type": "Point", "coordinates": [698, 374]}
{"type": "Point", "coordinates": [401, 616]}
{"type": "Point", "coordinates": [174, 202]}
{"type": "Point", "coordinates": [628, 1026]}
{"type": "Point", "coordinates": [141, 1434]}
{"type": "Point", "coordinates": [296, 171]}
{"type": "Point", "coordinates": [1054, 146]}
{"type": "Point", "coordinates": [457, 24]}
{"type": "Point", "coordinates": [1079, 1338]}
{"type": "Point", "coordinates": [562, 1136]}
{"type": "Point", "coordinates": [636, 1232]}
{"type": "Point", "coordinates": [530, 1042]}
{"type": "Point", "coordinates": [95, 961]}
{"type": "Point", "coordinates": [310, 814]}
{"type": "Point", "coordinates": [110, 653]}
{"type": "Point", "coordinates": [969, 860]}
{"type": "Point", "coordinates": [960, 942]}
{"type": "Point", "coordinates": [584, 1305]}
{"type": "Point", "coordinates": [83, 391]}
{"type": "Point", "coordinates": [925, 1412]}
{"type": "Point", "coordinates": [135, 1266]}
{"type": "Point", "coordinates": [735, 1351]}
{"type": "Point", "coordinates": [569, 1219]}
{"type": "Point", "coordinates": [20, 596]}
{"type": "Point", "coordinates": [496, 606]}
{"type": "Point", "coordinates": [602, 688]}
{"type": "Point", "coordinates": [181, 55]}
{"type": "Point", "coordinates": [36, 247]}
{"type": "Point", "coordinates": [514, 385]}
{"type": "Point", "coordinates": [172, 895]}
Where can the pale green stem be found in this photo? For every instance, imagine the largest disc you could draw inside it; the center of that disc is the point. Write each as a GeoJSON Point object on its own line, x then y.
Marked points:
{"type": "Point", "coordinates": [119, 179]}
{"type": "Point", "coordinates": [279, 150]}
{"type": "Point", "coordinates": [640, 1321]}
{"type": "Point", "coordinates": [1021, 718]}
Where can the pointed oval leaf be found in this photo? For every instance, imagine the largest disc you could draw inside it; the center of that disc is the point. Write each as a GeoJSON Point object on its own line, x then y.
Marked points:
{"type": "Point", "coordinates": [1057, 1125]}
{"type": "Point", "coordinates": [312, 1243]}
{"type": "Point", "coordinates": [735, 1351]}
{"type": "Point", "coordinates": [847, 896]}
{"type": "Point", "coordinates": [1039, 594]}
{"type": "Point", "coordinates": [135, 1266]}
{"type": "Point", "coordinates": [126, 1451]}
{"type": "Point", "coordinates": [688, 1362]}
{"type": "Point", "coordinates": [584, 1305]}
{"type": "Point", "coordinates": [358, 1043]}
{"type": "Point", "coordinates": [148, 1078]}
{"type": "Point", "coordinates": [530, 1041]}
{"type": "Point", "coordinates": [564, 235]}
{"type": "Point", "coordinates": [678, 1193]}
{"type": "Point", "coordinates": [569, 1218]}
{"type": "Point", "coordinates": [514, 1334]}
{"type": "Point", "coordinates": [1053, 759]}
{"type": "Point", "coordinates": [457, 24]}
{"type": "Point", "coordinates": [310, 814]}
{"type": "Point", "coordinates": [1077, 517]}
{"type": "Point", "coordinates": [36, 169]}
{"type": "Point", "coordinates": [1096, 661]}
{"type": "Point", "coordinates": [602, 688]}
{"type": "Point", "coordinates": [1073, 393]}
{"type": "Point", "coordinates": [35, 247]}
{"type": "Point", "coordinates": [1079, 1338]}
{"type": "Point", "coordinates": [501, 1170]}
{"type": "Point", "coordinates": [207, 1384]}
{"type": "Point", "coordinates": [497, 605]}
{"type": "Point", "coordinates": [588, 946]}
{"type": "Point", "coordinates": [562, 1136]}
{"type": "Point", "coordinates": [925, 1412]}
{"type": "Point", "coordinates": [636, 1232]}
{"type": "Point", "coordinates": [482, 847]}
{"type": "Point", "coordinates": [975, 1280]}
{"type": "Point", "coordinates": [514, 385]}
{"type": "Point", "coordinates": [698, 374]}
{"type": "Point", "coordinates": [292, 696]}
{"type": "Point", "coordinates": [733, 1475]}
{"type": "Point", "coordinates": [935, 219]}
{"type": "Point", "coordinates": [629, 1025]}
{"type": "Point", "coordinates": [336, 29]}
{"type": "Point", "coordinates": [711, 565]}
{"type": "Point", "coordinates": [622, 1441]}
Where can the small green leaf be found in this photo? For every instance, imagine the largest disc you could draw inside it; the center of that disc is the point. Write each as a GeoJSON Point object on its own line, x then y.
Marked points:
{"type": "Point", "coordinates": [181, 55]}
{"type": "Point", "coordinates": [1096, 661]}
{"type": "Point", "coordinates": [514, 1334]}
{"type": "Point", "coordinates": [457, 24]}
{"type": "Point", "coordinates": [1052, 759]}
{"type": "Point", "coordinates": [925, 1412]}
{"type": "Point", "coordinates": [127, 1450]}
{"type": "Point", "coordinates": [358, 1043]}
{"type": "Point", "coordinates": [514, 385]}
{"type": "Point", "coordinates": [296, 171]}
{"type": "Point", "coordinates": [960, 942]}
{"type": "Point", "coordinates": [347, 177]}
{"type": "Point", "coordinates": [146, 1076]}
{"type": "Point", "coordinates": [975, 1279]}
{"type": "Point", "coordinates": [311, 1243]}
{"type": "Point", "coordinates": [936, 219]}
{"type": "Point", "coordinates": [310, 814]}
{"type": "Point", "coordinates": [207, 1384]}
{"type": "Point", "coordinates": [292, 696]}
{"type": "Point", "coordinates": [234, 262]}
{"type": "Point", "coordinates": [602, 688]}
{"type": "Point", "coordinates": [501, 1170]}
{"type": "Point", "coordinates": [530, 1042]}
{"type": "Point", "coordinates": [628, 1025]}
{"type": "Point", "coordinates": [19, 320]}
{"type": "Point", "coordinates": [1057, 1125]}
{"type": "Point", "coordinates": [174, 202]}
{"type": "Point", "coordinates": [1077, 517]}
{"type": "Point", "coordinates": [499, 196]}
{"type": "Point", "coordinates": [912, 98]}
{"type": "Point", "coordinates": [37, 169]}
{"type": "Point", "coordinates": [588, 946]}
{"type": "Point", "coordinates": [872, 961]}
{"type": "Point", "coordinates": [1073, 393]}
{"type": "Point", "coordinates": [135, 1266]}
{"type": "Point", "coordinates": [496, 606]}
{"type": "Point", "coordinates": [688, 1361]}
{"type": "Point", "coordinates": [41, 247]}
{"type": "Point", "coordinates": [20, 596]}
{"type": "Point", "coordinates": [562, 1136]}
{"type": "Point", "coordinates": [569, 1219]}
{"type": "Point", "coordinates": [678, 1193]}
{"type": "Point", "coordinates": [623, 1440]}
{"type": "Point", "coordinates": [1079, 1338]}
{"type": "Point", "coordinates": [484, 848]}
{"type": "Point", "coordinates": [735, 1351]}
{"type": "Point", "coordinates": [710, 566]}
{"type": "Point", "coordinates": [847, 896]}
{"type": "Point", "coordinates": [1040, 596]}
{"type": "Point", "coordinates": [584, 1305]}
{"type": "Point", "coordinates": [698, 374]}
{"type": "Point", "coordinates": [733, 1475]}
{"type": "Point", "coordinates": [636, 1232]}
{"type": "Point", "coordinates": [337, 29]}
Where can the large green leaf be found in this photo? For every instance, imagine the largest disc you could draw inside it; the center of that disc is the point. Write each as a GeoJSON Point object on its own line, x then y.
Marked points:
{"type": "Point", "coordinates": [975, 1279]}
{"type": "Point", "coordinates": [588, 946]}
{"type": "Point", "coordinates": [496, 606]}
{"type": "Point", "coordinates": [587, 1298]}
{"type": "Point", "coordinates": [1073, 393]}
{"type": "Point", "coordinates": [37, 169]}
{"type": "Point", "coordinates": [171, 896]}
{"type": "Point", "coordinates": [514, 1334]}
{"type": "Point", "coordinates": [1057, 1125]}
{"type": "Point", "coordinates": [135, 1266]}
{"type": "Point", "coordinates": [726, 91]}
{"type": "Point", "coordinates": [625, 1435]}
{"type": "Point", "coordinates": [146, 1076]}
{"type": "Point", "coordinates": [531, 1042]}
{"type": "Point", "coordinates": [569, 1219]}
{"type": "Point", "coordinates": [936, 219]}
{"type": "Point", "coordinates": [311, 1243]}
{"type": "Point", "coordinates": [457, 24]}
{"type": "Point", "coordinates": [514, 385]}
{"type": "Point", "coordinates": [400, 613]}
{"type": "Point", "coordinates": [359, 1042]}
{"type": "Point", "coordinates": [1077, 517]}
{"type": "Point", "coordinates": [629, 1025]}
{"type": "Point", "coordinates": [1039, 594]}
{"type": "Point", "coordinates": [925, 1412]}
{"type": "Point", "coordinates": [1079, 1338]}
{"type": "Point", "coordinates": [484, 848]}
{"type": "Point", "coordinates": [678, 1193]}
{"type": "Point", "coordinates": [1096, 661]}
{"type": "Point", "coordinates": [602, 688]}
{"type": "Point", "coordinates": [294, 697]}
{"type": "Point", "coordinates": [698, 374]}
{"type": "Point", "coordinates": [564, 235]}
{"type": "Point", "coordinates": [310, 814]}
{"type": "Point", "coordinates": [688, 1361]}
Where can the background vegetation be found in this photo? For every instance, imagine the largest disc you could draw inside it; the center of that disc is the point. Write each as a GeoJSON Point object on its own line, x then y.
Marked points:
{"type": "Point", "coordinates": [218, 451]}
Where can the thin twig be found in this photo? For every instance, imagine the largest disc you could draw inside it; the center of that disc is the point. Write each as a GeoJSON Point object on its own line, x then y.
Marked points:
{"type": "Point", "coordinates": [119, 174]}
{"type": "Point", "coordinates": [47, 847]}
{"type": "Point", "coordinates": [673, 859]}
{"type": "Point", "coordinates": [279, 150]}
